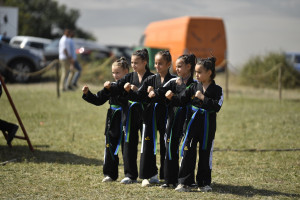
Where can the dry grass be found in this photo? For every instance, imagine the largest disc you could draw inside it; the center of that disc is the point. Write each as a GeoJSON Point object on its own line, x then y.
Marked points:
{"type": "Point", "coordinates": [256, 148]}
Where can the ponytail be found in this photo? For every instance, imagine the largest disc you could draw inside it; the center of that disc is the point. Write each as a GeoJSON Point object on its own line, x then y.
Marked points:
{"type": "Point", "coordinates": [209, 64]}
{"type": "Point", "coordinates": [189, 59]}
{"type": "Point", "coordinates": [122, 62]}
{"type": "Point", "coordinates": [144, 55]}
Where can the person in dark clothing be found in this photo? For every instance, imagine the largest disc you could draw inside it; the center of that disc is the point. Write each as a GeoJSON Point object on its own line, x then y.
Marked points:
{"type": "Point", "coordinates": [206, 99]}
{"type": "Point", "coordinates": [154, 118]}
{"type": "Point", "coordinates": [113, 126]}
{"type": "Point", "coordinates": [133, 112]}
{"type": "Point", "coordinates": [9, 129]}
{"type": "Point", "coordinates": [185, 67]}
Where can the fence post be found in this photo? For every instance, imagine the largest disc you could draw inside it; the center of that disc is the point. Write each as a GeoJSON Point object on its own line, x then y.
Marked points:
{"type": "Point", "coordinates": [226, 81]}
{"type": "Point", "coordinates": [57, 79]}
{"type": "Point", "coordinates": [280, 81]}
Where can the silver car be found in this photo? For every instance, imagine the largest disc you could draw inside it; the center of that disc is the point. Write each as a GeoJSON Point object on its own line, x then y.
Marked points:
{"type": "Point", "coordinates": [17, 64]}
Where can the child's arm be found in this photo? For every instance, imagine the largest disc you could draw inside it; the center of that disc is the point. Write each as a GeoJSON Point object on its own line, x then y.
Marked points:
{"type": "Point", "coordinates": [183, 98]}
{"type": "Point", "coordinates": [214, 102]}
{"type": "Point", "coordinates": [99, 99]}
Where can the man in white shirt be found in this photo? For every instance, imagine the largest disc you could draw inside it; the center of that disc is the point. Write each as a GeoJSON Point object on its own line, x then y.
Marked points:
{"type": "Point", "coordinates": [77, 68]}
{"type": "Point", "coordinates": [65, 59]}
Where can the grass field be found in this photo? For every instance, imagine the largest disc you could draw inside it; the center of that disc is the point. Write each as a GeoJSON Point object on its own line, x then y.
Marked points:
{"type": "Point", "coordinates": [257, 148]}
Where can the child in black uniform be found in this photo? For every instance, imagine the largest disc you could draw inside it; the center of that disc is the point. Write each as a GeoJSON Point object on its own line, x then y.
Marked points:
{"type": "Point", "coordinates": [133, 112]}
{"type": "Point", "coordinates": [185, 67]}
{"type": "Point", "coordinates": [113, 128]}
{"type": "Point", "coordinates": [154, 118]}
{"type": "Point", "coordinates": [206, 99]}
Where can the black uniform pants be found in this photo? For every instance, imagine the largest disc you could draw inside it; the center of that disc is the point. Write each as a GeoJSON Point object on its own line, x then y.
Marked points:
{"type": "Point", "coordinates": [112, 137]}
{"type": "Point", "coordinates": [148, 166]}
{"type": "Point", "coordinates": [174, 133]}
{"type": "Point", "coordinates": [130, 151]}
{"type": "Point", "coordinates": [187, 166]}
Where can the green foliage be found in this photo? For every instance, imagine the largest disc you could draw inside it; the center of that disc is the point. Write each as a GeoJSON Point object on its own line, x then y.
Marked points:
{"type": "Point", "coordinates": [39, 17]}
{"type": "Point", "coordinates": [259, 72]}
{"type": "Point", "coordinates": [96, 71]}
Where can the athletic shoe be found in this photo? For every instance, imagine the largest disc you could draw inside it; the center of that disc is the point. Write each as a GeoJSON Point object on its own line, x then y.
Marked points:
{"type": "Point", "coordinates": [154, 180]}
{"type": "Point", "coordinates": [206, 188]}
{"type": "Point", "coordinates": [164, 186]}
{"type": "Point", "coordinates": [127, 180]}
{"type": "Point", "coordinates": [145, 183]}
{"type": "Point", "coordinates": [182, 188]}
{"type": "Point", "coordinates": [107, 179]}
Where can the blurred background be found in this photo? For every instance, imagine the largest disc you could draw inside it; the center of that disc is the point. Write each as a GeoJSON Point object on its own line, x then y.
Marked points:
{"type": "Point", "coordinates": [253, 29]}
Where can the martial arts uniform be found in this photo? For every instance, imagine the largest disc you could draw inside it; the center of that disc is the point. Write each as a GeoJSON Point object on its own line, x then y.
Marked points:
{"type": "Point", "coordinates": [154, 118]}
{"type": "Point", "coordinates": [113, 128]}
{"type": "Point", "coordinates": [174, 129]}
{"type": "Point", "coordinates": [200, 128]}
{"type": "Point", "coordinates": [132, 124]}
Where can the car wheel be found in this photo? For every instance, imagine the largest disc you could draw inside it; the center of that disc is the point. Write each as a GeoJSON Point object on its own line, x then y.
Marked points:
{"type": "Point", "coordinates": [20, 71]}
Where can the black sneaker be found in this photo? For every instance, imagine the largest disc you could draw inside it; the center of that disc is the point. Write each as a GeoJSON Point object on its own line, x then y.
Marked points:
{"type": "Point", "coordinates": [11, 133]}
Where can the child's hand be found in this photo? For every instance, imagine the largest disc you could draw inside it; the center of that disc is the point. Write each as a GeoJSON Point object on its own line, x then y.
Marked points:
{"type": "Point", "coordinates": [127, 87]}
{"type": "Point", "coordinates": [199, 95]}
{"type": "Point", "coordinates": [169, 94]}
{"type": "Point", "coordinates": [178, 81]}
{"type": "Point", "coordinates": [134, 88]}
{"type": "Point", "coordinates": [85, 89]}
{"type": "Point", "coordinates": [149, 89]}
{"type": "Point", "coordinates": [107, 84]}
{"type": "Point", "coordinates": [151, 94]}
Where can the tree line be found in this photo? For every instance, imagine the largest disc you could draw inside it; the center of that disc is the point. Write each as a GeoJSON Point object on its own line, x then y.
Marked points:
{"type": "Point", "coordinates": [46, 18]}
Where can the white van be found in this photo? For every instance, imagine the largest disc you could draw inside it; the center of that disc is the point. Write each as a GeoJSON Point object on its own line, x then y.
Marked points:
{"type": "Point", "coordinates": [29, 42]}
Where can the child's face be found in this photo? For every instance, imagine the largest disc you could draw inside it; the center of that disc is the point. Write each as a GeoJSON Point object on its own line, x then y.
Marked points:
{"type": "Point", "coordinates": [182, 69]}
{"type": "Point", "coordinates": [161, 65]}
{"type": "Point", "coordinates": [118, 72]}
{"type": "Point", "coordinates": [137, 63]}
{"type": "Point", "coordinates": [202, 74]}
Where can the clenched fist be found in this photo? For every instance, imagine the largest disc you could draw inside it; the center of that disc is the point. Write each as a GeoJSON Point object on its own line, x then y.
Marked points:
{"type": "Point", "coordinates": [127, 87]}
{"type": "Point", "coordinates": [107, 84]}
{"type": "Point", "coordinates": [169, 94]}
{"type": "Point", "coordinates": [85, 89]}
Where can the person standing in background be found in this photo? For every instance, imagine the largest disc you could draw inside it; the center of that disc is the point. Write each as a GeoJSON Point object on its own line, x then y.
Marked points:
{"type": "Point", "coordinates": [74, 75]}
{"type": "Point", "coordinates": [65, 59]}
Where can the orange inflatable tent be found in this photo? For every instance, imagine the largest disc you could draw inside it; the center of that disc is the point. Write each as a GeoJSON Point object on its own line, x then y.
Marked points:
{"type": "Point", "coordinates": [203, 36]}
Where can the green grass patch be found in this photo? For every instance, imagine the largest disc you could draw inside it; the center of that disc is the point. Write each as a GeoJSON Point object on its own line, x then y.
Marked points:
{"type": "Point", "coordinates": [256, 149]}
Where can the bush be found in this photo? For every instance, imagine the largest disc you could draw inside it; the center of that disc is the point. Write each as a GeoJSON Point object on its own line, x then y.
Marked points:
{"type": "Point", "coordinates": [260, 72]}
{"type": "Point", "coordinates": [97, 72]}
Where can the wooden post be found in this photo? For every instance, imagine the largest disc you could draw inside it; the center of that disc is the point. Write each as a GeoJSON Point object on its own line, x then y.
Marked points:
{"type": "Point", "coordinates": [226, 80]}
{"type": "Point", "coordinates": [17, 115]}
{"type": "Point", "coordinates": [57, 79]}
{"type": "Point", "coordinates": [280, 81]}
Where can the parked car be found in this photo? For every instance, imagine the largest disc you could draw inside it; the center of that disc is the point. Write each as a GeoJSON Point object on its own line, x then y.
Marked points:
{"type": "Point", "coordinates": [294, 58]}
{"type": "Point", "coordinates": [35, 44]}
{"type": "Point", "coordinates": [84, 48]}
{"type": "Point", "coordinates": [29, 42]}
{"type": "Point", "coordinates": [121, 51]}
{"type": "Point", "coordinates": [21, 60]}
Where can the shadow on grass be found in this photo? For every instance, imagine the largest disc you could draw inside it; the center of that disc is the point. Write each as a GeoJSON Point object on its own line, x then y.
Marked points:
{"type": "Point", "coordinates": [248, 191]}
{"type": "Point", "coordinates": [22, 153]}
{"type": "Point", "coordinates": [257, 150]}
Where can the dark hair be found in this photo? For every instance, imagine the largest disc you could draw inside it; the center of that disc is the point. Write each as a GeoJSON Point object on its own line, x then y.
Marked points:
{"type": "Point", "coordinates": [165, 54]}
{"type": "Point", "coordinates": [209, 64]}
{"type": "Point", "coordinates": [122, 62]}
{"type": "Point", "coordinates": [144, 55]}
{"type": "Point", "coordinates": [189, 59]}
